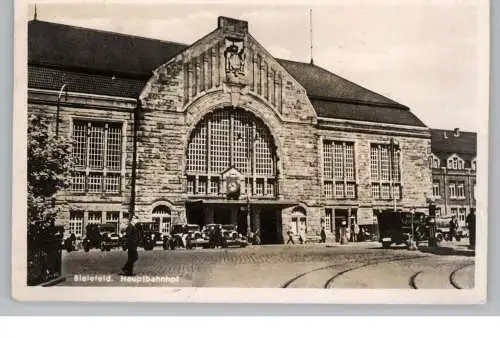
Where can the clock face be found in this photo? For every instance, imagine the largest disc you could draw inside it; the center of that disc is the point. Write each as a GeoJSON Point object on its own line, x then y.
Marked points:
{"type": "Point", "coordinates": [232, 186]}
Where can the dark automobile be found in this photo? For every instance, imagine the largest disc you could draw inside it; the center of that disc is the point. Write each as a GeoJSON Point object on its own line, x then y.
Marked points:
{"type": "Point", "coordinates": [232, 237]}
{"type": "Point", "coordinates": [396, 227]}
{"type": "Point", "coordinates": [92, 238]}
{"type": "Point", "coordinates": [182, 236]}
{"type": "Point", "coordinates": [148, 236]}
{"type": "Point", "coordinates": [109, 236]}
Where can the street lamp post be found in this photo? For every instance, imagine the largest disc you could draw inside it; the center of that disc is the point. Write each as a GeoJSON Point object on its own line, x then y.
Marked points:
{"type": "Point", "coordinates": [249, 154]}
{"type": "Point", "coordinates": [64, 89]}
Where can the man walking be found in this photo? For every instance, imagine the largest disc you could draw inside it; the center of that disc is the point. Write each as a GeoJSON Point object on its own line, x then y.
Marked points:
{"type": "Point", "coordinates": [453, 227]}
{"type": "Point", "coordinates": [128, 268]}
{"type": "Point", "coordinates": [471, 224]}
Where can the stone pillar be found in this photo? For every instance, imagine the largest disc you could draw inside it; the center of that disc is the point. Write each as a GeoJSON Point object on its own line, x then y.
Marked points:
{"type": "Point", "coordinates": [234, 214]}
{"type": "Point", "coordinates": [209, 215]}
{"type": "Point", "coordinates": [255, 219]}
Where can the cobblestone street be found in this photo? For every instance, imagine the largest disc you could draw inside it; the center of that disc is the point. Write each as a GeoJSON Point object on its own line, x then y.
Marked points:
{"type": "Point", "coordinates": [356, 265]}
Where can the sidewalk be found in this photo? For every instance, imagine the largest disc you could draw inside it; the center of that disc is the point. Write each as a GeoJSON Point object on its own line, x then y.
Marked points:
{"type": "Point", "coordinates": [449, 248]}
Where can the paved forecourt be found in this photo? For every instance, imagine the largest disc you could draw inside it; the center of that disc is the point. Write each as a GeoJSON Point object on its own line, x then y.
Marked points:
{"type": "Point", "coordinates": [357, 265]}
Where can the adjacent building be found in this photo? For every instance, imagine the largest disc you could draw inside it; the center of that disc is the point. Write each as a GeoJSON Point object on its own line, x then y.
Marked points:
{"type": "Point", "coordinates": [453, 162]}
{"type": "Point", "coordinates": [220, 131]}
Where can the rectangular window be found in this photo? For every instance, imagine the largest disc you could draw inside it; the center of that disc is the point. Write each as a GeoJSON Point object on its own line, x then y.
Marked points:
{"type": "Point", "coordinates": [396, 192]}
{"type": "Point", "coordinates": [452, 190]}
{"type": "Point", "coordinates": [328, 160]}
{"type": "Point", "coordinates": [112, 217]}
{"type": "Point", "coordinates": [112, 183]}
{"type": "Point", "coordinates": [214, 186]}
{"type": "Point", "coordinates": [78, 182]}
{"type": "Point", "coordinates": [376, 191]}
{"type": "Point", "coordinates": [339, 190]}
{"type": "Point", "coordinates": [328, 186]}
{"type": "Point", "coordinates": [438, 212]}
{"type": "Point", "coordinates": [461, 216]}
{"type": "Point", "coordinates": [190, 185]}
{"type": "Point", "coordinates": [460, 191]}
{"type": "Point", "coordinates": [351, 190]}
{"type": "Point", "coordinates": [95, 182]}
{"type": "Point", "coordinates": [385, 192]}
{"type": "Point", "coordinates": [435, 189]}
{"type": "Point", "coordinates": [259, 187]}
{"type": "Point", "coordinates": [76, 223]}
{"type": "Point", "coordinates": [97, 153]}
{"type": "Point", "coordinates": [338, 169]}
{"type": "Point", "coordinates": [202, 186]}
{"type": "Point", "coordinates": [328, 220]}
{"type": "Point", "coordinates": [385, 167]}
{"type": "Point", "coordinates": [95, 217]}
{"type": "Point", "coordinates": [270, 188]}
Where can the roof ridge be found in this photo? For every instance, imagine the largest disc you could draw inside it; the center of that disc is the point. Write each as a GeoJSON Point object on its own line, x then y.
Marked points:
{"type": "Point", "coordinates": [108, 32]}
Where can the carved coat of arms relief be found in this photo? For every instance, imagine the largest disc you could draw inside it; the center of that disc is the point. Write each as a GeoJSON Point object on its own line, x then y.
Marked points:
{"type": "Point", "coordinates": [235, 57]}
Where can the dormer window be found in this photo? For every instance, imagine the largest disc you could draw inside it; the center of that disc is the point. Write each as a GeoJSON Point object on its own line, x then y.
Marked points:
{"type": "Point", "coordinates": [434, 162]}
{"type": "Point", "coordinates": [455, 163]}
{"type": "Point", "coordinates": [473, 164]}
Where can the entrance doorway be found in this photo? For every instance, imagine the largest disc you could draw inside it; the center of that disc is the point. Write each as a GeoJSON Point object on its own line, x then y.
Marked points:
{"type": "Point", "coordinates": [341, 215]}
{"type": "Point", "coordinates": [270, 226]}
{"type": "Point", "coordinates": [195, 214]}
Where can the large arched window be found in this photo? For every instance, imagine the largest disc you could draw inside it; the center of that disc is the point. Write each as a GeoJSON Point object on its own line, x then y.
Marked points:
{"type": "Point", "coordinates": [228, 138]}
{"type": "Point", "coordinates": [162, 217]}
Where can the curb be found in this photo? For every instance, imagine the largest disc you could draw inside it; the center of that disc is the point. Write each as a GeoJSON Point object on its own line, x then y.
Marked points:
{"type": "Point", "coordinates": [53, 282]}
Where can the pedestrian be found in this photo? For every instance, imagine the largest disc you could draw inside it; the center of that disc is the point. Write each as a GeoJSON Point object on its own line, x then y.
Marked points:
{"type": "Point", "coordinates": [290, 236]}
{"type": "Point", "coordinates": [132, 255]}
{"type": "Point", "coordinates": [471, 224]}
{"type": "Point", "coordinates": [323, 235]}
{"type": "Point", "coordinates": [453, 227]}
{"type": "Point", "coordinates": [343, 232]}
{"type": "Point", "coordinates": [354, 231]}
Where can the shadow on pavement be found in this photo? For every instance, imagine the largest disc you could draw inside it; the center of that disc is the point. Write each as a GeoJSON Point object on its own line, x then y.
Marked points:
{"type": "Point", "coordinates": [448, 251]}
{"type": "Point", "coordinates": [440, 250]}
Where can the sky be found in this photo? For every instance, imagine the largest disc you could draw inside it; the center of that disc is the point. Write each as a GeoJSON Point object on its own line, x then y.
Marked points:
{"type": "Point", "coordinates": [424, 56]}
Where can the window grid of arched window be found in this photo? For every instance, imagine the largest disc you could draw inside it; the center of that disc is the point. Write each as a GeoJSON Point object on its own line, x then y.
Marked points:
{"type": "Point", "coordinates": [162, 218]}
{"type": "Point", "coordinates": [229, 135]}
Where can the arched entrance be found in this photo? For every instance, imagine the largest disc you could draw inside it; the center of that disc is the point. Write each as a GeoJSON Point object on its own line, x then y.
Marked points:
{"type": "Point", "coordinates": [232, 139]}
{"type": "Point", "coordinates": [162, 216]}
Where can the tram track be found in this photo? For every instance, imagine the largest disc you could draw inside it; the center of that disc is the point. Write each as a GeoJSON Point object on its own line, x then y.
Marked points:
{"type": "Point", "coordinates": [330, 280]}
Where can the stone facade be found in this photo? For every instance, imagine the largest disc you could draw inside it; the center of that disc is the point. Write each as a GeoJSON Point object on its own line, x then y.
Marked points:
{"type": "Point", "coordinates": [229, 70]}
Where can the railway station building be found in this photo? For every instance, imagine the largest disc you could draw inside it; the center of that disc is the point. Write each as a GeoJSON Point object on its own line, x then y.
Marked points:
{"type": "Point", "coordinates": [218, 130]}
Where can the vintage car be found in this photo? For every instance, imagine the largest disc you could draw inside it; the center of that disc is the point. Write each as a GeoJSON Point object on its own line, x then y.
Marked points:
{"type": "Point", "coordinates": [182, 236]}
{"type": "Point", "coordinates": [396, 226]}
{"type": "Point", "coordinates": [109, 237]}
{"type": "Point", "coordinates": [148, 236]}
{"type": "Point", "coordinates": [232, 237]}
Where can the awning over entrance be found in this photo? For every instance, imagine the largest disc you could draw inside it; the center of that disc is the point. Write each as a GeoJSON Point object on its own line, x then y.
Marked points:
{"type": "Point", "coordinates": [276, 203]}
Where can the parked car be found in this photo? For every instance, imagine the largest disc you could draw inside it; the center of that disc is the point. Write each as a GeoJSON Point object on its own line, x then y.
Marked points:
{"type": "Point", "coordinates": [182, 236]}
{"type": "Point", "coordinates": [396, 226]}
{"type": "Point", "coordinates": [109, 237]}
{"type": "Point", "coordinates": [232, 237]}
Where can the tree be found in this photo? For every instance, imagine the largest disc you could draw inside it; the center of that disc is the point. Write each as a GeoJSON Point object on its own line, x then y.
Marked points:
{"type": "Point", "coordinates": [49, 171]}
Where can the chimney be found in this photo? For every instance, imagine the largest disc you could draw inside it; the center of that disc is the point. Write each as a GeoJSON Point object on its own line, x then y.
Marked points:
{"type": "Point", "coordinates": [456, 132]}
